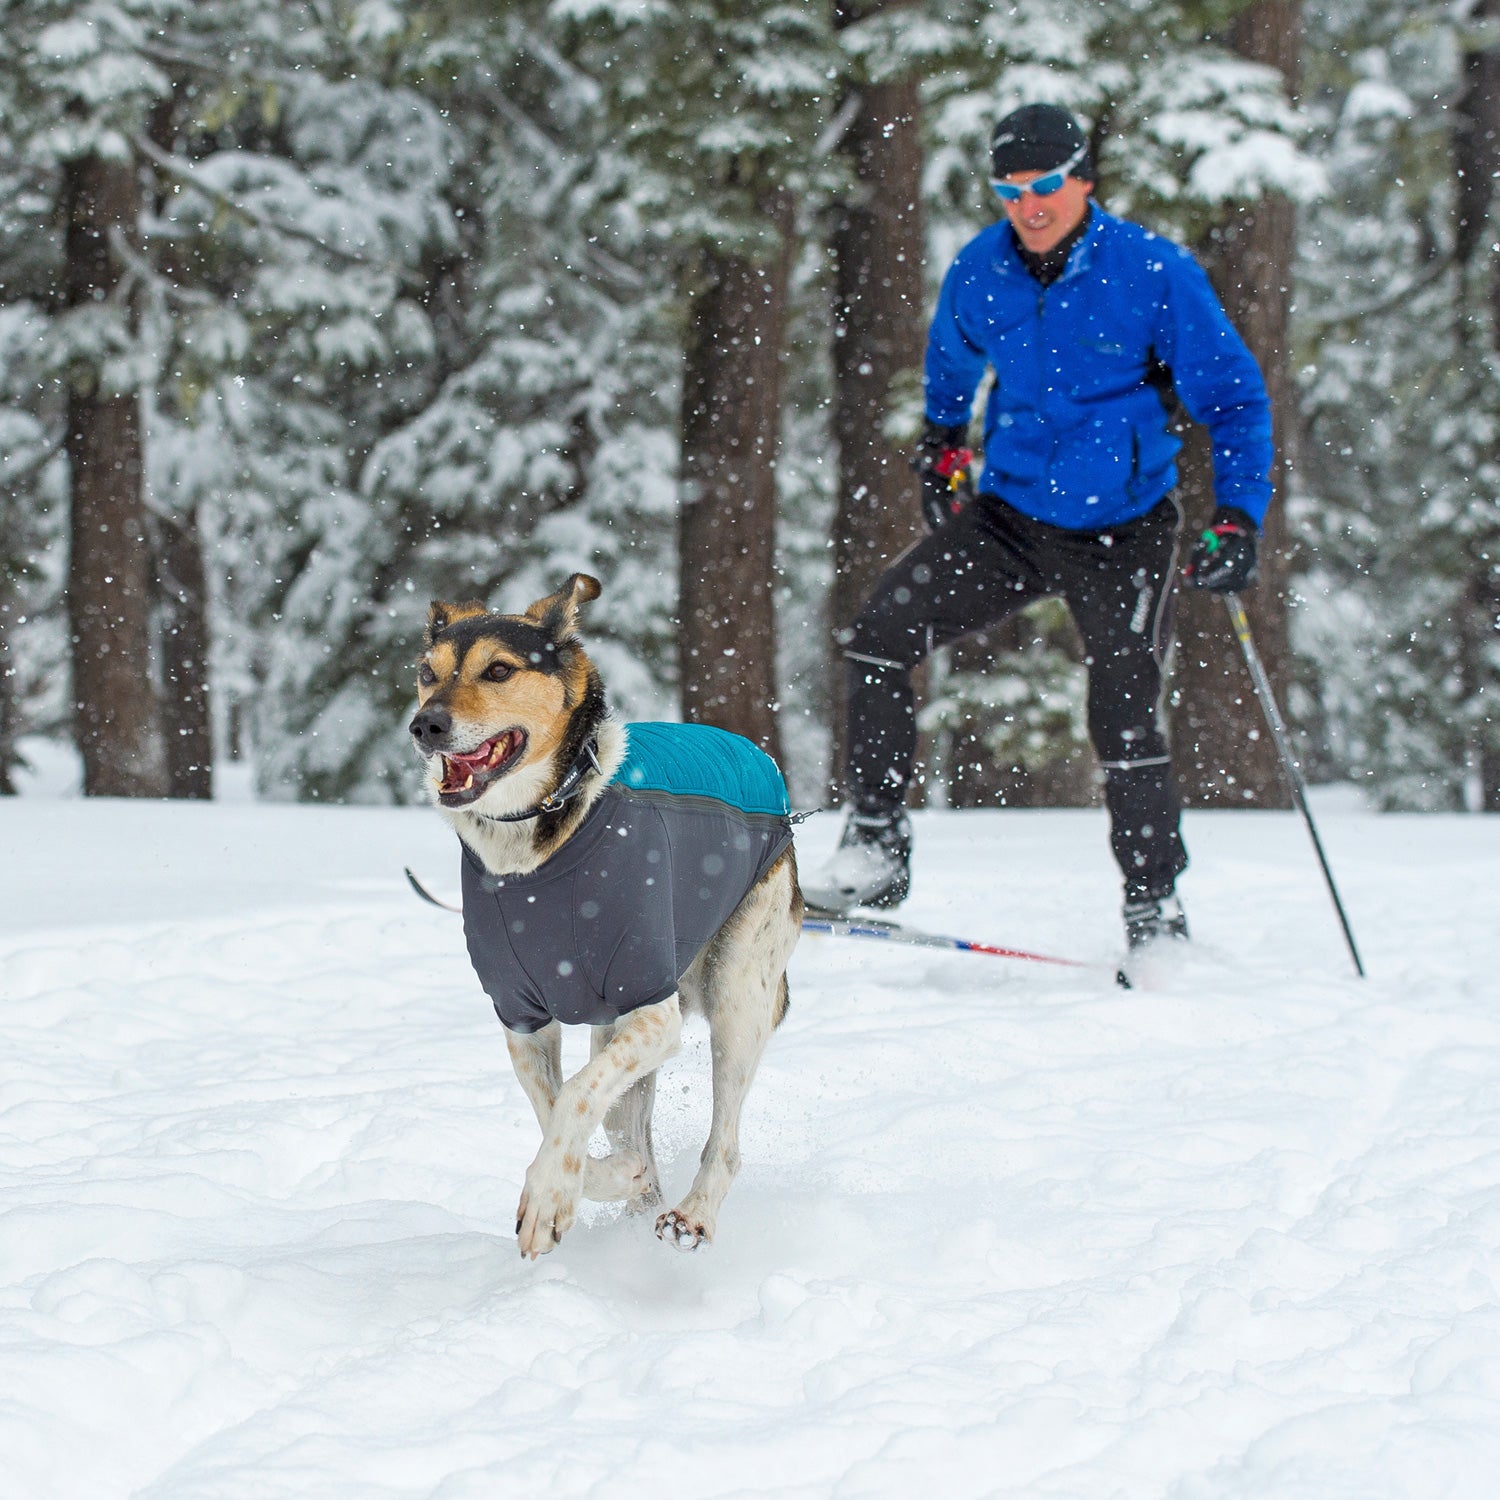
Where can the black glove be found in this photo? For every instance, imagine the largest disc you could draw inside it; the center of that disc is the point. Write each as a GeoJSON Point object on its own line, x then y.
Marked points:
{"type": "Point", "coordinates": [1223, 559]}
{"type": "Point", "coordinates": [946, 467]}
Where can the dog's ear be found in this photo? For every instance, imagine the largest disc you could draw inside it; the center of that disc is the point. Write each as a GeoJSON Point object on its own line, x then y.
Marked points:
{"type": "Point", "coordinates": [440, 616]}
{"type": "Point", "coordinates": [557, 614]}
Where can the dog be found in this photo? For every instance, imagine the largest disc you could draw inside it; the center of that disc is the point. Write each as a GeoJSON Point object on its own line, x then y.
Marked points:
{"type": "Point", "coordinates": [618, 876]}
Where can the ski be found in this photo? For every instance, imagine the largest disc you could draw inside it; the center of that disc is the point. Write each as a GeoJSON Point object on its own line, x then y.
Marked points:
{"type": "Point", "coordinates": [840, 924]}
{"type": "Point", "coordinates": [1150, 967]}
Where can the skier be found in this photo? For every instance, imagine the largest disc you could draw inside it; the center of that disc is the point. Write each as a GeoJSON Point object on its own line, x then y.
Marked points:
{"type": "Point", "coordinates": [1090, 324]}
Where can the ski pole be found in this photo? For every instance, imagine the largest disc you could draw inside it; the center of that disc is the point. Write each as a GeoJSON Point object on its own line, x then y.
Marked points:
{"type": "Point", "coordinates": [1241, 623]}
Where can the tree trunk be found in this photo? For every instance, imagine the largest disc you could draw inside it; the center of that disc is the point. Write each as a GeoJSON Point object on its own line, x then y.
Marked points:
{"type": "Point", "coordinates": [1479, 621]}
{"type": "Point", "coordinates": [10, 708]}
{"type": "Point", "coordinates": [1223, 753]}
{"type": "Point", "coordinates": [116, 721]}
{"type": "Point", "coordinates": [879, 337]}
{"type": "Point", "coordinates": [9, 711]}
{"type": "Point", "coordinates": [1476, 140]}
{"type": "Point", "coordinates": [182, 614]}
{"type": "Point", "coordinates": [1476, 155]}
{"type": "Point", "coordinates": [879, 250]}
{"type": "Point", "coordinates": [731, 402]}
{"type": "Point", "coordinates": [181, 590]}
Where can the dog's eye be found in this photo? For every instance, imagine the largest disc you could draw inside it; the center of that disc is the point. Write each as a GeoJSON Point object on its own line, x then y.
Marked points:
{"type": "Point", "coordinates": [425, 675]}
{"type": "Point", "coordinates": [498, 671]}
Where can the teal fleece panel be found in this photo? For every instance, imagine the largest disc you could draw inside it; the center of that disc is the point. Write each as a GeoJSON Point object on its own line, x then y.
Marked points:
{"type": "Point", "coordinates": [696, 760]}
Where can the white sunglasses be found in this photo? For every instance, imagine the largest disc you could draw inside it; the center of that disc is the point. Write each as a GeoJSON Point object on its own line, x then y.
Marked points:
{"type": "Point", "coordinates": [1044, 186]}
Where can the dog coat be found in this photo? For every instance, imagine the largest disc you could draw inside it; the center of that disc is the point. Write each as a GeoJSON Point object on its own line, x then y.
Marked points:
{"type": "Point", "coordinates": [690, 822]}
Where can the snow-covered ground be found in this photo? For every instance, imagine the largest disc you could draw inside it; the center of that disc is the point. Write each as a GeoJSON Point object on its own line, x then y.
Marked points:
{"type": "Point", "coordinates": [1001, 1229]}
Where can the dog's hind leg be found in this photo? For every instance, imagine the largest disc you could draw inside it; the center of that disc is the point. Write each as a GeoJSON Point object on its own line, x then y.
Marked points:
{"type": "Point", "coordinates": [741, 977]}
{"type": "Point", "coordinates": [739, 1035]}
{"type": "Point", "coordinates": [642, 1041]}
{"type": "Point", "coordinates": [631, 1162]}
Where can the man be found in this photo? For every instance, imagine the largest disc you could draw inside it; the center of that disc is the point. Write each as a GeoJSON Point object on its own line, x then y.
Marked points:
{"type": "Point", "coordinates": [1090, 325]}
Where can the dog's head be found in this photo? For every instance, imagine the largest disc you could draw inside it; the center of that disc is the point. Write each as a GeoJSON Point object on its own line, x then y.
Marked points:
{"type": "Point", "coordinates": [504, 701]}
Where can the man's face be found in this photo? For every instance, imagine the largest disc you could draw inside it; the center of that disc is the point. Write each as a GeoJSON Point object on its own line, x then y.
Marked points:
{"type": "Point", "coordinates": [1041, 222]}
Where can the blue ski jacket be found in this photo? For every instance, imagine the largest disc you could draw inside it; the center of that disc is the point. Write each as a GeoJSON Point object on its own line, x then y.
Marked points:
{"type": "Point", "coordinates": [1076, 429]}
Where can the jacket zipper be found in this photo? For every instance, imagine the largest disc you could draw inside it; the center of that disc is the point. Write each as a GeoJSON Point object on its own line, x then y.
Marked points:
{"type": "Point", "coordinates": [1046, 355]}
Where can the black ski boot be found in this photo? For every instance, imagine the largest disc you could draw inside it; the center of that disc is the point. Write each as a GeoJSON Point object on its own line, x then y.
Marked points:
{"type": "Point", "coordinates": [1148, 918]}
{"type": "Point", "coordinates": [870, 867]}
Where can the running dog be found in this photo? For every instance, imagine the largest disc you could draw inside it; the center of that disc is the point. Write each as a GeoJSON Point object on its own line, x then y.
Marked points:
{"type": "Point", "coordinates": [614, 875]}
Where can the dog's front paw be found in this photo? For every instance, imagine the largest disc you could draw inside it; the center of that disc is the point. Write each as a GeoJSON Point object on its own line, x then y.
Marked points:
{"type": "Point", "coordinates": [686, 1231]}
{"type": "Point", "coordinates": [548, 1206]}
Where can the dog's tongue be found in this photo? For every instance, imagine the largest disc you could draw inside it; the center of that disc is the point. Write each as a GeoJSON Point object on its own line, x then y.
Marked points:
{"type": "Point", "coordinates": [459, 768]}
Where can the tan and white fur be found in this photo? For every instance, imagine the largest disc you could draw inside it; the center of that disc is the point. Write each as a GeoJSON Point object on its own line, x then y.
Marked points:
{"type": "Point", "coordinates": [505, 703]}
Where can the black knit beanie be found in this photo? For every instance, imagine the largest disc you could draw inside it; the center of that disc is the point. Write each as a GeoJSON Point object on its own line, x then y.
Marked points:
{"type": "Point", "coordinates": [1035, 138]}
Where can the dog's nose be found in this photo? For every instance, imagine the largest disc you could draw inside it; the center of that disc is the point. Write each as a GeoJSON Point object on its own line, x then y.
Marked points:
{"type": "Point", "coordinates": [430, 726]}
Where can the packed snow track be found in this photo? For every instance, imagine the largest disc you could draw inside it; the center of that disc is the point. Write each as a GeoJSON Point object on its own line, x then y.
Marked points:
{"type": "Point", "coordinates": [1001, 1229]}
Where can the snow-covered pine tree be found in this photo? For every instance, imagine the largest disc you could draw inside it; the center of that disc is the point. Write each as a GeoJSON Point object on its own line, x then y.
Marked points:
{"type": "Point", "coordinates": [1400, 405]}
{"type": "Point", "coordinates": [546, 445]}
{"type": "Point", "coordinates": [404, 312]}
{"type": "Point", "coordinates": [1222, 756]}
{"type": "Point", "coordinates": [245, 253]}
{"type": "Point", "coordinates": [719, 108]}
{"type": "Point", "coordinates": [879, 252]}
{"type": "Point", "coordinates": [435, 389]}
{"type": "Point", "coordinates": [34, 695]}
{"type": "Point", "coordinates": [77, 94]}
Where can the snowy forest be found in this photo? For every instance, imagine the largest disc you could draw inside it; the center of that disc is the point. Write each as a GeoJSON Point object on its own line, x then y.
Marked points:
{"type": "Point", "coordinates": [312, 311]}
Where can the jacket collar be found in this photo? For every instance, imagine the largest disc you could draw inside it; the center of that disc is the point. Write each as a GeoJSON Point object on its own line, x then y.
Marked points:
{"type": "Point", "coordinates": [1084, 250]}
{"type": "Point", "coordinates": [1079, 261]}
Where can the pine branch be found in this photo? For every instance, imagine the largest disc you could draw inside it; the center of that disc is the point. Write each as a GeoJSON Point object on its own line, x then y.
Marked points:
{"type": "Point", "coordinates": [172, 57]}
{"type": "Point", "coordinates": [1317, 324]}
{"type": "Point", "coordinates": [145, 273]}
{"type": "Point", "coordinates": [15, 473]}
{"type": "Point", "coordinates": [838, 127]}
{"type": "Point", "coordinates": [174, 167]}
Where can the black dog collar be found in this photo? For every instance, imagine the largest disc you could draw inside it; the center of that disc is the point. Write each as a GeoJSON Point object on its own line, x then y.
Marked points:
{"type": "Point", "coordinates": [568, 788]}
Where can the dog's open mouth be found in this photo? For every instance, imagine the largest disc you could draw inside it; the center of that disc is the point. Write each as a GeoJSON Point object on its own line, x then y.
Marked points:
{"type": "Point", "coordinates": [466, 777]}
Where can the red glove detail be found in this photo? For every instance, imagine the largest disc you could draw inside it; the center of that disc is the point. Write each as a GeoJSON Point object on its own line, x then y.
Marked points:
{"type": "Point", "coordinates": [953, 464]}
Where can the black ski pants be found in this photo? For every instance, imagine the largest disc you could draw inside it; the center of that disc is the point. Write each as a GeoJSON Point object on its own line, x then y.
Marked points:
{"type": "Point", "coordinates": [971, 573]}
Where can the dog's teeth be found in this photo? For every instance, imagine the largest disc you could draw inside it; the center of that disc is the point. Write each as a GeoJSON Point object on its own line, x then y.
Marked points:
{"type": "Point", "coordinates": [469, 781]}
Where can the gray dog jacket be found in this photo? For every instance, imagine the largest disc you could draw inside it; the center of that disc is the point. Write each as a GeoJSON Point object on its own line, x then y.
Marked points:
{"type": "Point", "coordinates": [690, 822]}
